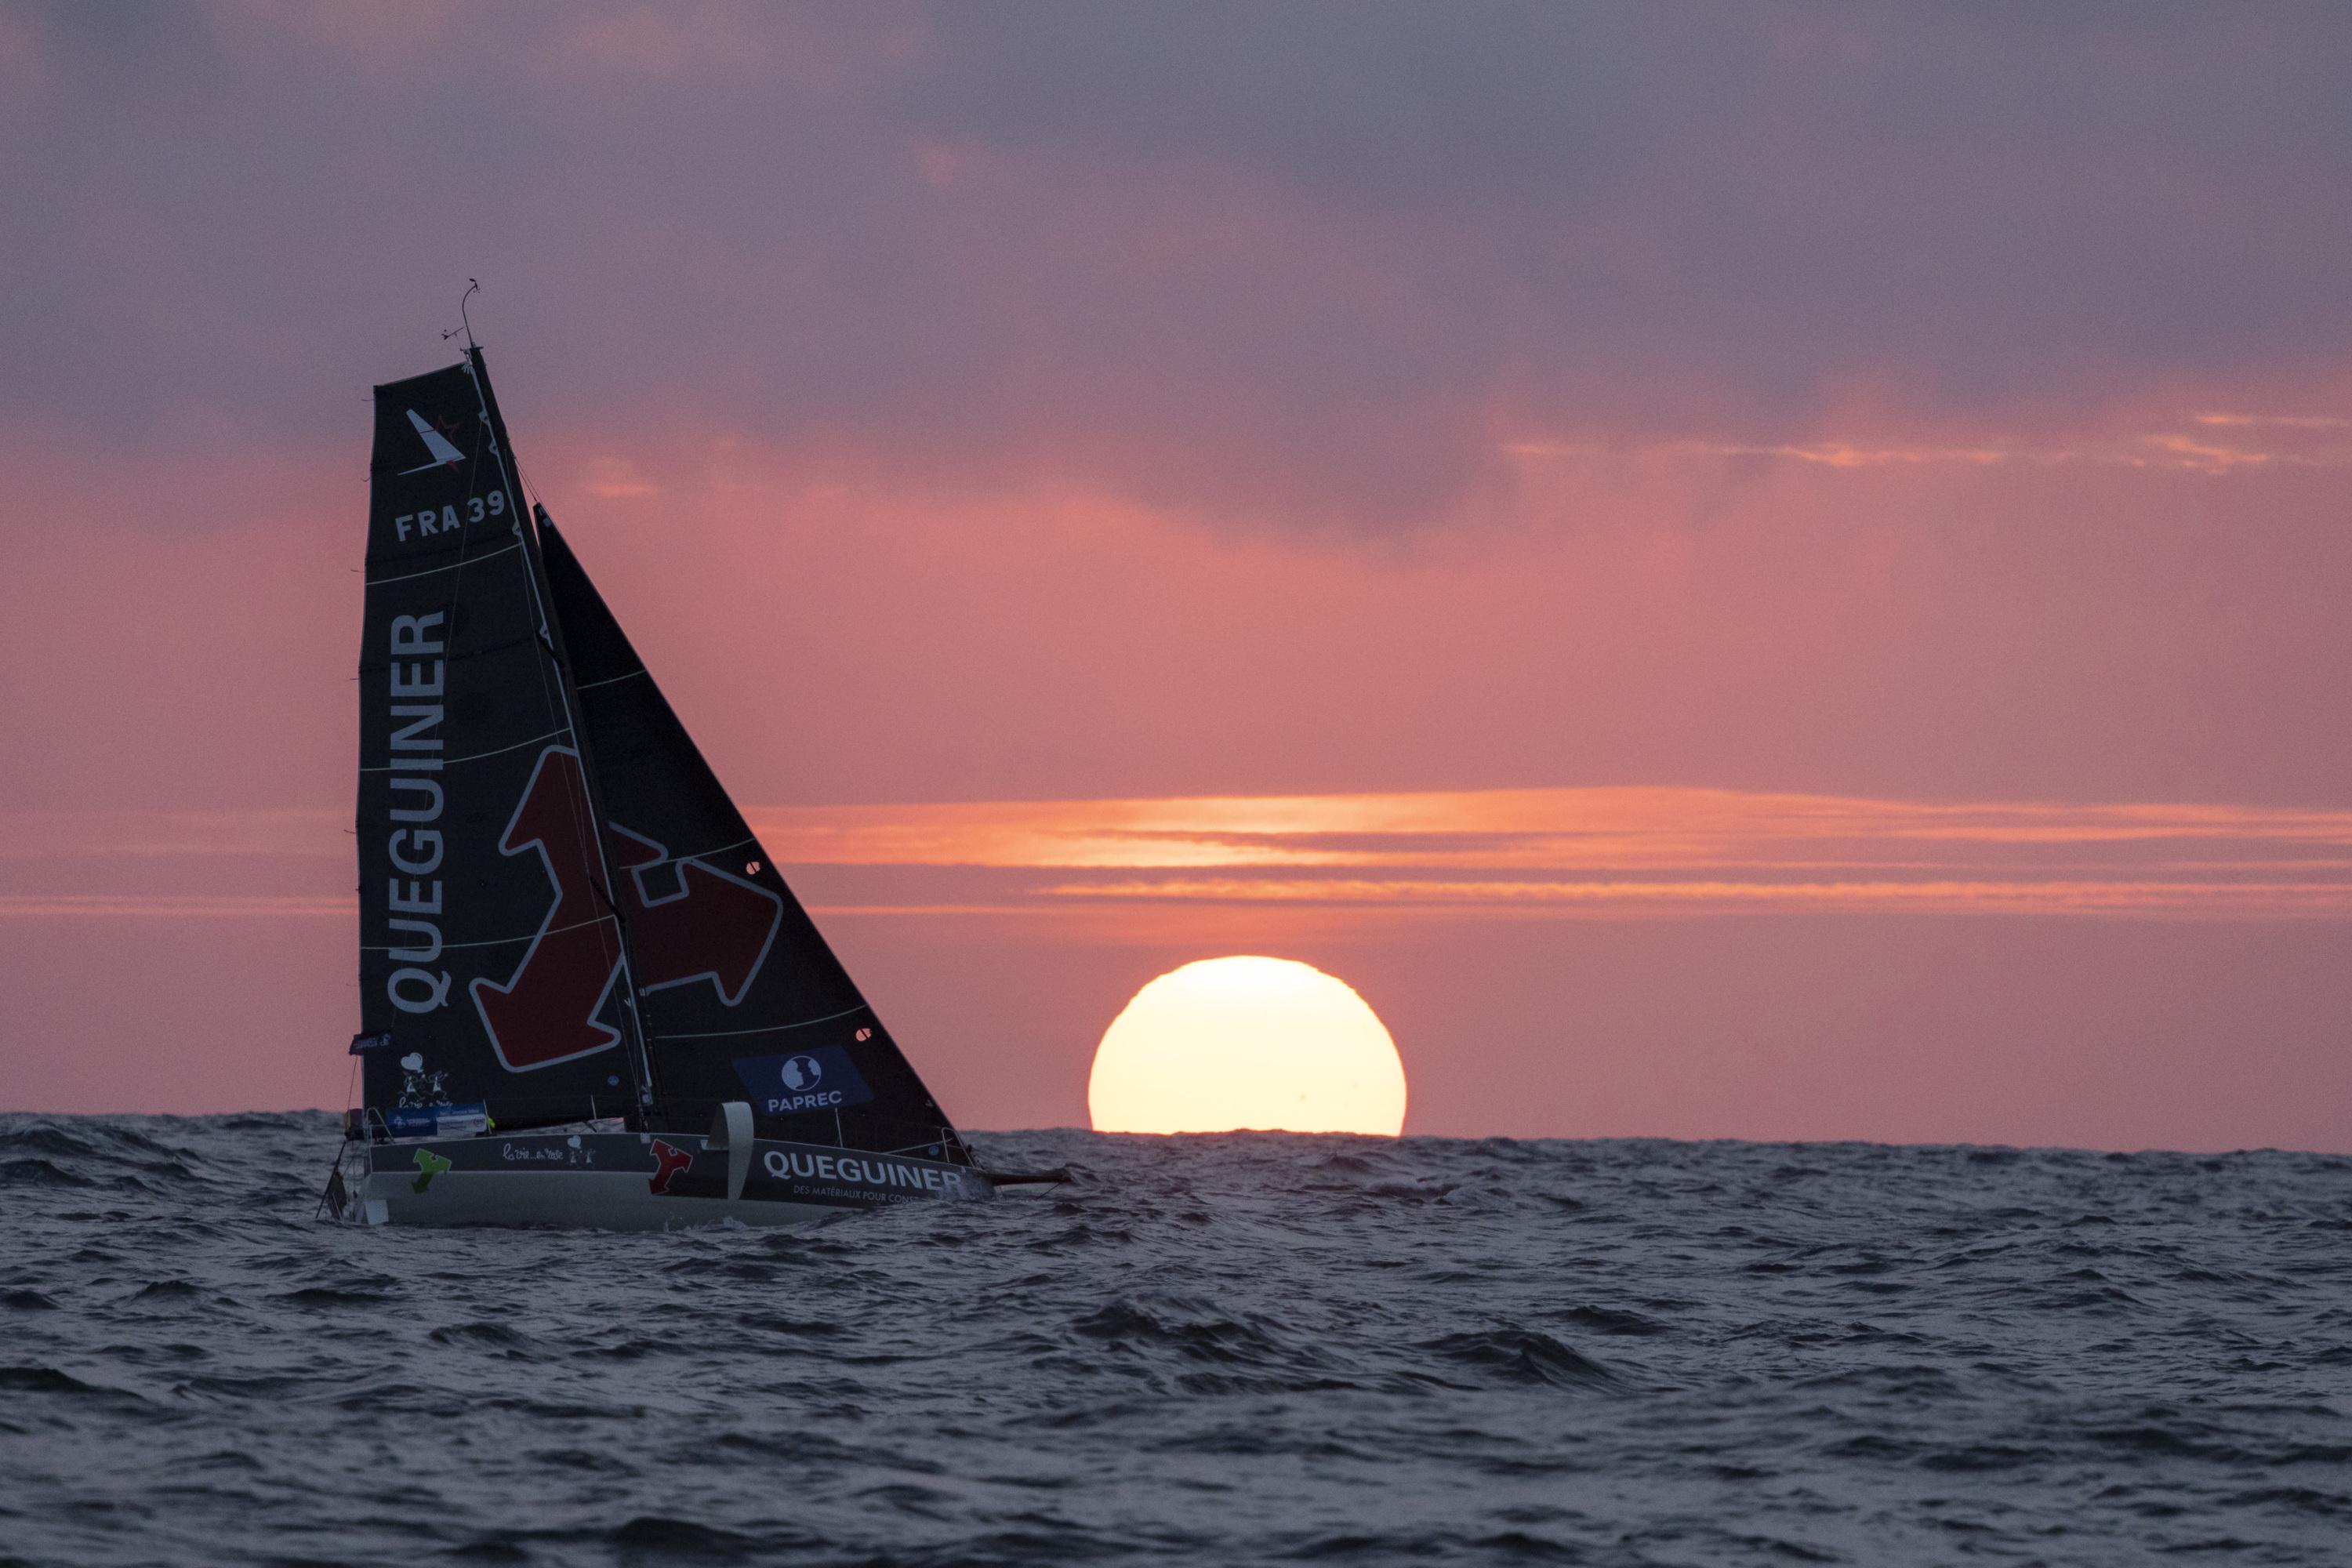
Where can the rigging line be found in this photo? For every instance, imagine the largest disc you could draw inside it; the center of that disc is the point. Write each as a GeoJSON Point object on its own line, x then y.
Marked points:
{"type": "Point", "coordinates": [605, 889]}
{"type": "Point", "coordinates": [767, 1029]}
{"type": "Point", "coordinates": [474, 756]}
{"type": "Point", "coordinates": [586, 841]}
{"type": "Point", "coordinates": [591, 685]}
{"type": "Point", "coordinates": [485, 435]}
{"type": "Point", "coordinates": [525, 492]}
{"type": "Point", "coordinates": [532, 580]}
{"type": "Point", "coordinates": [554, 699]}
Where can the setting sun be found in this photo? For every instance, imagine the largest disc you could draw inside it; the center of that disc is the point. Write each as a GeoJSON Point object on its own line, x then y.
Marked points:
{"type": "Point", "coordinates": [1231, 1043]}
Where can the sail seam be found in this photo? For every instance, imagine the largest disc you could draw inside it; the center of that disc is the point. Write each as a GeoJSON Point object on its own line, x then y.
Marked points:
{"type": "Point", "coordinates": [497, 941]}
{"type": "Point", "coordinates": [768, 1029]}
{"type": "Point", "coordinates": [476, 756]}
{"type": "Point", "coordinates": [453, 566]}
{"type": "Point", "coordinates": [591, 685]}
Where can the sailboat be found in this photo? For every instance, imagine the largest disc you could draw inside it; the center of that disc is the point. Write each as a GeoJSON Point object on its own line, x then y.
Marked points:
{"type": "Point", "coordinates": [586, 996]}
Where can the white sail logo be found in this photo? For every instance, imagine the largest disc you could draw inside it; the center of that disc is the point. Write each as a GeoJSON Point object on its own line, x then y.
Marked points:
{"type": "Point", "coordinates": [444, 455]}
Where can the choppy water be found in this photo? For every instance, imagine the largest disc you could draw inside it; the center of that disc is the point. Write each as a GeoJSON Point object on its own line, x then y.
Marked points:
{"type": "Point", "coordinates": [1240, 1349]}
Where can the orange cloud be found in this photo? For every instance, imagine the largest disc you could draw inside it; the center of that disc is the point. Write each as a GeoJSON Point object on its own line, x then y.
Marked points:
{"type": "Point", "coordinates": [2269, 901]}
{"type": "Point", "coordinates": [2166, 450]}
{"type": "Point", "coordinates": [1648, 829]}
{"type": "Point", "coordinates": [172, 906]}
{"type": "Point", "coordinates": [2284, 421]}
{"type": "Point", "coordinates": [1638, 850]}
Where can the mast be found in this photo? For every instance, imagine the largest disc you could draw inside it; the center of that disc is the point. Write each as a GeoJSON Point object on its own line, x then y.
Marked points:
{"type": "Point", "coordinates": [550, 635]}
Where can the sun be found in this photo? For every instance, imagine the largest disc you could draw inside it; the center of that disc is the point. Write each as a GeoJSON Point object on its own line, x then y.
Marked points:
{"type": "Point", "coordinates": [1230, 1043]}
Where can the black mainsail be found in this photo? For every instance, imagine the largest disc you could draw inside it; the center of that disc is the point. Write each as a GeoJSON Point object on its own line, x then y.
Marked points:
{"type": "Point", "coordinates": [511, 958]}
{"type": "Point", "coordinates": [489, 958]}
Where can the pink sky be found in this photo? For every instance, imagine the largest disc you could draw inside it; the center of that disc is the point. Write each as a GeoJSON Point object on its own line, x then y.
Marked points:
{"type": "Point", "coordinates": [1736, 578]}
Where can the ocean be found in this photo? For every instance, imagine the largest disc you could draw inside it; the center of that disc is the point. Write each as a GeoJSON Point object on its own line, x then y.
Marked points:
{"type": "Point", "coordinates": [1239, 1349]}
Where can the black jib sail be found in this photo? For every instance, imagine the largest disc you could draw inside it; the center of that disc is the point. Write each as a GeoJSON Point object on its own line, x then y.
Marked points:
{"type": "Point", "coordinates": [511, 958]}
{"type": "Point", "coordinates": [489, 953]}
{"type": "Point", "coordinates": [738, 995]}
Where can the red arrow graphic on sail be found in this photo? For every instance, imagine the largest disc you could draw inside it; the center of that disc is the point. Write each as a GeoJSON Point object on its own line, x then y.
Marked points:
{"type": "Point", "coordinates": [546, 1012]}
{"type": "Point", "coordinates": [690, 920]}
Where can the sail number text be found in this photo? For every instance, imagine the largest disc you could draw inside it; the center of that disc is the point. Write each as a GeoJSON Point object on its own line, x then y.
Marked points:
{"type": "Point", "coordinates": [428, 522]}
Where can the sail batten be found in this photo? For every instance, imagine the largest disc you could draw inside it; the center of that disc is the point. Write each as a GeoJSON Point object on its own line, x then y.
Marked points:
{"type": "Point", "coordinates": [761, 1029]}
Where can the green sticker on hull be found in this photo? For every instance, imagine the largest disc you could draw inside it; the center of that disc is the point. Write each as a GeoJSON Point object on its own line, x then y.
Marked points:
{"type": "Point", "coordinates": [431, 1165]}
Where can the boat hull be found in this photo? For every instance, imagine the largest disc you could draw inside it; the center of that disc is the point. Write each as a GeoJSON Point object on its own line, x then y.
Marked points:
{"type": "Point", "coordinates": [631, 1181]}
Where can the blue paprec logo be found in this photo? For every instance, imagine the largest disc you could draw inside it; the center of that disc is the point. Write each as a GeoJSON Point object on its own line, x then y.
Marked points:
{"type": "Point", "coordinates": [822, 1078]}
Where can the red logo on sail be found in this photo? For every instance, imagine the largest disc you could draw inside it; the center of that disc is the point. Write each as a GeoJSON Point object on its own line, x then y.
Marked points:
{"type": "Point", "coordinates": [694, 921]}
{"type": "Point", "coordinates": [443, 455]}
{"type": "Point", "coordinates": [690, 922]}
{"type": "Point", "coordinates": [546, 1012]}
